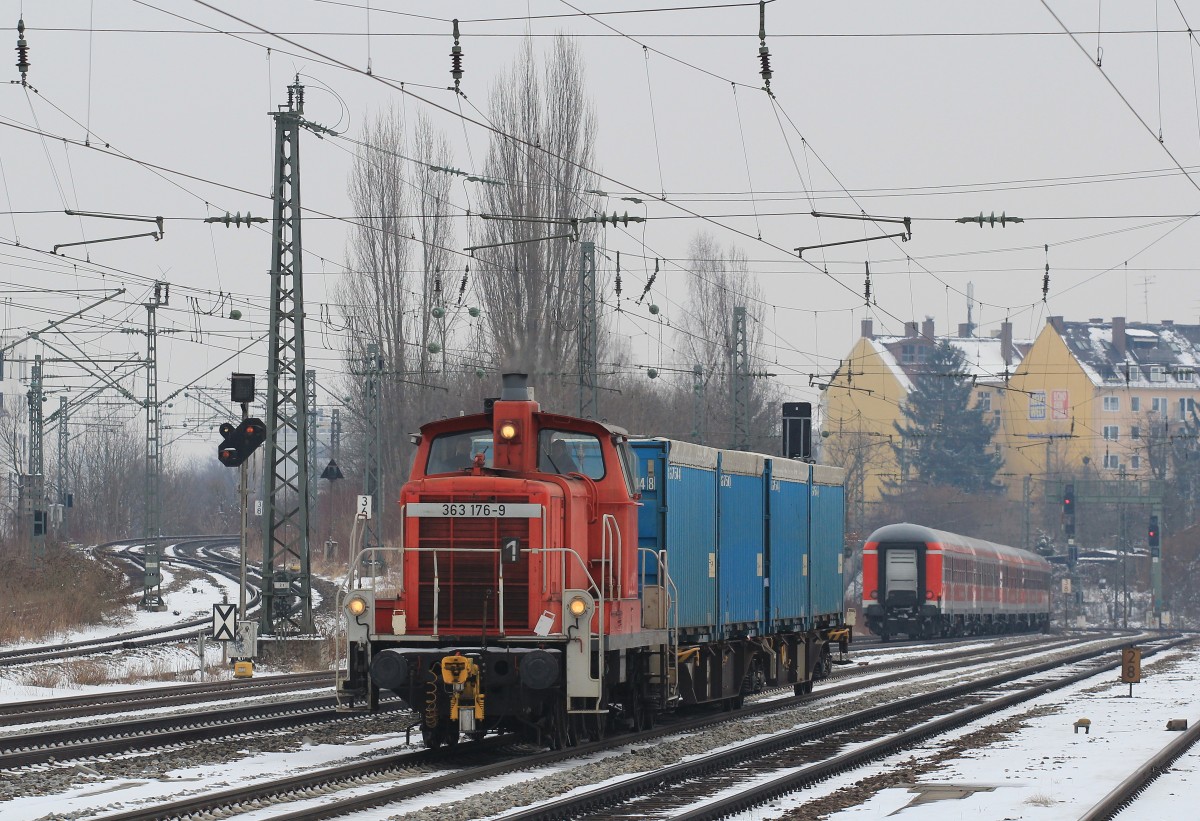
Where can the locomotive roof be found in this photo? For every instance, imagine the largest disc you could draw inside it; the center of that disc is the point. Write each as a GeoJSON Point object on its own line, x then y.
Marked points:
{"type": "Point", "coordinates": [909, 532]}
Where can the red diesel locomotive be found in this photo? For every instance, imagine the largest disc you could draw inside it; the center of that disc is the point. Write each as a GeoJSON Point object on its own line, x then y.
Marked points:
{"type": "Point", "coordinates": [926, 583]}
{"type": "Point", "coordinates": [517, 599]}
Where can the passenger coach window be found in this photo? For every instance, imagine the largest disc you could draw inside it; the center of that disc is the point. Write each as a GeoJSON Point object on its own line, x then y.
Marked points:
{"type": "Point", "coordinates": [453, 452]}
{"type": "Point", "coordinates": [566, 451]}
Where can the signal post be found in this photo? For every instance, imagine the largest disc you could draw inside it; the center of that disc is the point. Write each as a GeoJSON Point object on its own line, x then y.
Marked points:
{"type": "Point", "coordinates": [237, 444]}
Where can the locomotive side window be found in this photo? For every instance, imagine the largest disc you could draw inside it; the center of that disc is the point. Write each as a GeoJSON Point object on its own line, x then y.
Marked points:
{"type": "Point", "coordinates": [566, 451]}
{"type": "Point", "coordinates": [453, 452]}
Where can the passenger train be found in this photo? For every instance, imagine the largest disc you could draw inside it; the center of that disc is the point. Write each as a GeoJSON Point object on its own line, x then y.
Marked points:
{"type": "Point", "coordinates": [924, 583]}
{"type": "Point", "coordinates": [555, 578]}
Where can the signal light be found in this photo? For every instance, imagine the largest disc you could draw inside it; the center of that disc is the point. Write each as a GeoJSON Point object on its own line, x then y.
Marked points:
{"type": "Point", "coordinates": [238, 443]}
{"type": "Point", "coordinates": [1069, 498]}
{"type": "Point", "coordinates": [1152, 535]}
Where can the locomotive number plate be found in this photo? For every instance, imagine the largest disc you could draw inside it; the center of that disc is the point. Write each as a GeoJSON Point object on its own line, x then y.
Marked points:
{"type": "Point", "coordinates": [477, 510]}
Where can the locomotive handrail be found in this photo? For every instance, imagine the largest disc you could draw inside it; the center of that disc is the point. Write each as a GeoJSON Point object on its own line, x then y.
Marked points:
{"type": "Point", "coordinates": [659, 558]}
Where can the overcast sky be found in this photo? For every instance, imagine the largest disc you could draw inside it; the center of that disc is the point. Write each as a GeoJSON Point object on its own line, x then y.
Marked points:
{"type": "Point", "coordinates": [931, 110]}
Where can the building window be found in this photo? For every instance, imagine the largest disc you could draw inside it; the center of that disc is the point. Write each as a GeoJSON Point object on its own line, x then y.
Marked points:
{"type": "Point", "coordinates": [983, 400]}
{"type": "Point", "coordinates": [1112, 433]}
{"type": "Point", "coordinates": [1135, 462]}
{"type": "Point", "coordinates": [1184, 375]}
{"type": "Point", "coordinates": [1135, 403]}
{"type": "Point", "coordinates": [1186, 406]}
{"type": "Point", "coordinates": [1112, 403]}
{"type": "Point", "coordinates": [1135, 432]}
{"type": "Point", "coordinates": [908, 354]}
{"type": "Point", "coordinates": [1037, 405]}
{"type": "Point", "coordinates": [1112, 461]}
{"type": "Point", "coordinates": [1158, 373]}
{"type": "Point", "coordinates": [1159, 405]}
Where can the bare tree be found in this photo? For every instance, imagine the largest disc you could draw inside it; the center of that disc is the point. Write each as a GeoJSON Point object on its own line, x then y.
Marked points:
{"type": "Point", "coordinates": [530, 282]}
{"type": "Point", "coordinates": [398, 280]}
{"type": "Point", "coordinates": [718, 281]}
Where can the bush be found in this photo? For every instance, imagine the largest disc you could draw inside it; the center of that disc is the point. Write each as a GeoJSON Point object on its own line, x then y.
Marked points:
{"type": "Point", "coordinates": [66, 590]}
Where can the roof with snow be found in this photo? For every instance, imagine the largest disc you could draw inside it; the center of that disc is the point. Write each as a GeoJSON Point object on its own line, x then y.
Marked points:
{"type": "Point", "coordinates": [983, 356]}
{"type": "Point", "coordinates": [1135, 354]}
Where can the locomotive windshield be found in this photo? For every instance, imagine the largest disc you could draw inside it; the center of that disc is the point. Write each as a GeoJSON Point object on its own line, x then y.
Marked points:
{"type": "Point", "coordinates": [568, 451]}
{"type": "Point", "coordinates": [453, 452]}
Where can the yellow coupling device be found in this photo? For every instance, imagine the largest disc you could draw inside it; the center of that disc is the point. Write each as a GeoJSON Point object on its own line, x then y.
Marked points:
{"type": "Point", "coordinates": [462, 674]}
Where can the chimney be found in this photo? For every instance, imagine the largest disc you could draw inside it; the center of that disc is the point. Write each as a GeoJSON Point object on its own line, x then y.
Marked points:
{"type": "Point", "coordinates": [1168, 323]}
{"type": "Point", "coordinates": [910, 329]}
{"type": "Point", "coordinates": [1006, 344]}
{"type": "Point", "coordinates": [515, 388]}
{"type": "Point", "coordinates": [1056, 322]}
{"type": "Point", "coordinates": [1118, 337]}
{"type": "Point", "coordinates": [927, 328]}
{"type": "Point", "coordinates": [964, 330]}
{"type": "Point", "coordinates": [868, 329]}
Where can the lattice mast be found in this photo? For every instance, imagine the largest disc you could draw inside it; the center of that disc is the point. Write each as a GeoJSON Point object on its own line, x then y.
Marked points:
{"type": "Point", "coordinates": [741, 381]}
{"type": "Point", "coordinates": [287, 587]}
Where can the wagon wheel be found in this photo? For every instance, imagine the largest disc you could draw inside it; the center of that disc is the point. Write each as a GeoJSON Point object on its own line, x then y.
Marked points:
{"type": "Point", "coordinates": [432, 736]}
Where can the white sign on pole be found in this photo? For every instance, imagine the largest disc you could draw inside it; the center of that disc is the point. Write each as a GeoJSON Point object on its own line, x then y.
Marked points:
{"type": "Point", "coordinates": [224, 621]}
{"type": "Point", "coordinates": [258, 507]}
{"type": "Point", "coordinates": [364, 507]}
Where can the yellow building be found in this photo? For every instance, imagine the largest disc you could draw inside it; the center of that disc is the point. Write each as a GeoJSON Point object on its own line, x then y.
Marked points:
{"type": "Point", "coordinates": [1099, 397]}
{"type": "Point", "coordinates": [861, 403]}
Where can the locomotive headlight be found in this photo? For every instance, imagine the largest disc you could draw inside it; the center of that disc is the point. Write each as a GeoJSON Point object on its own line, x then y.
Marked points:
{"type": "Point", "coordinates": [577, 606]}
{"type": "Point", "coordinates": [356, 606]}
{"type": "Point", "coordinates": [508, 431]}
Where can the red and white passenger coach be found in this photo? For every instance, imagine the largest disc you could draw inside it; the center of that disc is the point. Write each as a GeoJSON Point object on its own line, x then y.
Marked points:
{"type": "Point", "coordinates": [924, 583]}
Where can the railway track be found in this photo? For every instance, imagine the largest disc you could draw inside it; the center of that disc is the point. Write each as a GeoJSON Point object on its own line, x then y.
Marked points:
{"type": "Point", "coordinates": [801, 758]}
{"type": "Point", "coordinates": [472, 769]}
{"type": "Point", "coordinates": [153, 732]}
{"type": "Point", "coordinates": [1125, 794]}
{"type": "Point", "coordinates": [64, 709]}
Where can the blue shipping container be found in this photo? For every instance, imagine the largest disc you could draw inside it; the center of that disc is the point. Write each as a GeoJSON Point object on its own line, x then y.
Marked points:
{"type": "Point", "coordinates": [827, 539]}
{"type": "Point", "coordinates": [787, 544]}
{"type": "Point", "coordinates": [741, 536]}
{"type": "Point", "coordinates": [678, 482]}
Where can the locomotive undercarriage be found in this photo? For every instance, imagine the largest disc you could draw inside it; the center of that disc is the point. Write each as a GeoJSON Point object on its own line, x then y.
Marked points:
{"type": "Point", "coordinates": [522, 690]}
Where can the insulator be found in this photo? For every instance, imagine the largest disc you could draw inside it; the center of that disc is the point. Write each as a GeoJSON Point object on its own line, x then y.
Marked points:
{"type": "Point", "coordinates": [618, 280]}
{"type": "Point", "coordinates": [22, 50]}
{"type": "Point", "coordinates": [764, 56]}
{"type": "Point", "coordinates": [456, 66]}
{"type": "Point", "coordinates": [462, 286]}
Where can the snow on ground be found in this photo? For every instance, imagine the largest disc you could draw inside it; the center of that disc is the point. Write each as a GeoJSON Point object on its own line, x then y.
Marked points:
{"type": "Point", "coordinates": [126, 669]}
{"type": "Point", "coordinates": [1045, 770]}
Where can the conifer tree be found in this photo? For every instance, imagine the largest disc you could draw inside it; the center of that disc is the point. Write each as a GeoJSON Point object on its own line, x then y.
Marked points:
{"type": "Point", "coordinates": [943, 439]}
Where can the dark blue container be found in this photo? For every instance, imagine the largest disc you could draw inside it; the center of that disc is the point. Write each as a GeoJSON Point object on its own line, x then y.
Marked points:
{"type": "Point", "coordinates": [827, 537]}
{"type": "Point", "coordinates": [788, 551]}
{"type": "Point", "coordinates": [742, 539]}
{"type": "Point", "coordinates": [678, 516]}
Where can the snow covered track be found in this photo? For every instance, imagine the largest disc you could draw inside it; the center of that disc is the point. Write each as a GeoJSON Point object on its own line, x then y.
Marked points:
{"type": "Point", "coordinates": [24, 712]}
{"type": "Point", "coordinates": [1126, 793]}
{"type": "Point", "coordinates": [73, 743]}
{"type": "Point", "coordinates": [668, 792]}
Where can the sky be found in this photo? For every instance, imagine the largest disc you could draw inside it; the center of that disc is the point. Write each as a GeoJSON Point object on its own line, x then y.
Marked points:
{"type": "Point", "coordinates": [931, 111]}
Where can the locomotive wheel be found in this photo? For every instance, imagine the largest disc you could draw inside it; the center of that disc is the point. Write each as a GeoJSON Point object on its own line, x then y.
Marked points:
{"type": "Point", "coordinates": [432, 736]}
{"type": "Point", "coordinates": [559, 735]}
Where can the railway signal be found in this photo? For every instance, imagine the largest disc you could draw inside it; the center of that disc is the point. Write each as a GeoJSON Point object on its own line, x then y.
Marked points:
{"type": "Point", "coordinates": [238, 443]}
{"type": "Point", "coordinates": [1152, 537]}
{"type": "Point", "coordinates": [1069, 509]}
